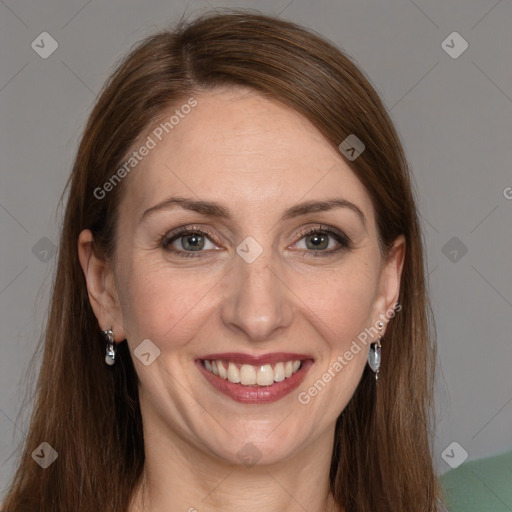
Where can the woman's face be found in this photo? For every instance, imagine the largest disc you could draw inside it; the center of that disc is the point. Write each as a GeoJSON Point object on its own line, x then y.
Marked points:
{"type": "Point", "coordinates": [259, 283]}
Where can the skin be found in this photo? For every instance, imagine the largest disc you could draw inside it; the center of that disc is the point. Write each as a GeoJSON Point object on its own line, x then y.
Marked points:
{"type": "Point", "coordinates": [256, 157]}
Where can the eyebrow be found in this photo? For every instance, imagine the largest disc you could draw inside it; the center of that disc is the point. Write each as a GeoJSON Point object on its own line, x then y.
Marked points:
{"type": "Point", "coordinates": [218, 210]}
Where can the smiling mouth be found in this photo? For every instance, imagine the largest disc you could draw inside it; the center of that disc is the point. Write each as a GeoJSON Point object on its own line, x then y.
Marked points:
{"type": "Point", "coordinates": [252, 375]}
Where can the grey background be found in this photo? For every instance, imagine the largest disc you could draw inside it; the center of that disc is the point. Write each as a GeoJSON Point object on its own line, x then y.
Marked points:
{"type": "Point", "coordinates": [454, 117]}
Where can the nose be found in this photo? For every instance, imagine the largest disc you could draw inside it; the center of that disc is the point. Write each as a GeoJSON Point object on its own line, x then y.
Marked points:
{"type": "Point", "coordinates": [257, 301]}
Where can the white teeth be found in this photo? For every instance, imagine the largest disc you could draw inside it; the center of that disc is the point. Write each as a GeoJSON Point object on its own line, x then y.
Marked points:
{"type": "Point", "coordinates": [233, 373]}
{"type": "Point", "coordinates": [249, 375]}
{"type": "Point", "coordinates": [222, 371]}
{"type": "Point", "coordinates": [265, 375]}
{"type": "Point", "coordinates": [279, 375]}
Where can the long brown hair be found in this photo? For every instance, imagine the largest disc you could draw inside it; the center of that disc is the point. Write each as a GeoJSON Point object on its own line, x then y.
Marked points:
{"type": "Point", "coordinates": [89, 412]}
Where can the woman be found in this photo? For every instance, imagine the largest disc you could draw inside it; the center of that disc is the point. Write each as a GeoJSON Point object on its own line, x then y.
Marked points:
{"type": "Point", "coordinates": [240, 239]}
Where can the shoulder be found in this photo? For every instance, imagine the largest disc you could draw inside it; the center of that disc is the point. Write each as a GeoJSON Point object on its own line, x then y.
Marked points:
{"type": "Point", "coordinates": [468, 487]}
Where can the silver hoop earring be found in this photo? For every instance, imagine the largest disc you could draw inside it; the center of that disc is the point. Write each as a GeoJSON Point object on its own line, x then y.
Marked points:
{"type": "Point", "coordinates": [110, 352]}
{"type": "Point", "coordinates": [374, 354]}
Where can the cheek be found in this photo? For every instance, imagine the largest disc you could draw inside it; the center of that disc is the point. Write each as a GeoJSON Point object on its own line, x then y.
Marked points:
{"type": "Point", "coordinates": [343, 303]}
{"type": "Point", "coordinates": [161, 304]}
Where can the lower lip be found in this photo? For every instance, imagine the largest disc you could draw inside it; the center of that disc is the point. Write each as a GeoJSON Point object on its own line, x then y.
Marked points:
{"type": "Point", "coordinates": [257, 394]}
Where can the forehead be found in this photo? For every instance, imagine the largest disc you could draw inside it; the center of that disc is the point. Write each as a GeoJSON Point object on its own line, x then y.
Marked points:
{"type": "Point", "coordinates": [237, 147]}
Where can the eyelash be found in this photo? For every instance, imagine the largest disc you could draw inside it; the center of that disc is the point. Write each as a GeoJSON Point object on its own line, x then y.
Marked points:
{"type": "Point", "coordinates": [341, 238]}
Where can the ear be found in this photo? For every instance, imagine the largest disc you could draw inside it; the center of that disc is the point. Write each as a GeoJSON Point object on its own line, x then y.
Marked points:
{"type": "Point", "coordinates": [100, 286]}
{"type": "Point", "coordinates": [389, 282]}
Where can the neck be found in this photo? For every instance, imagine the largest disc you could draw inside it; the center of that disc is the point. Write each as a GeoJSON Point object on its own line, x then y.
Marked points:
{"type": "Point", "coordinates": [178, 476]}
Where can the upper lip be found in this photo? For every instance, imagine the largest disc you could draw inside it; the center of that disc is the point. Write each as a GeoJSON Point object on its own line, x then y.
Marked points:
{"type": "Point", "coordinates": [256, 360]}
